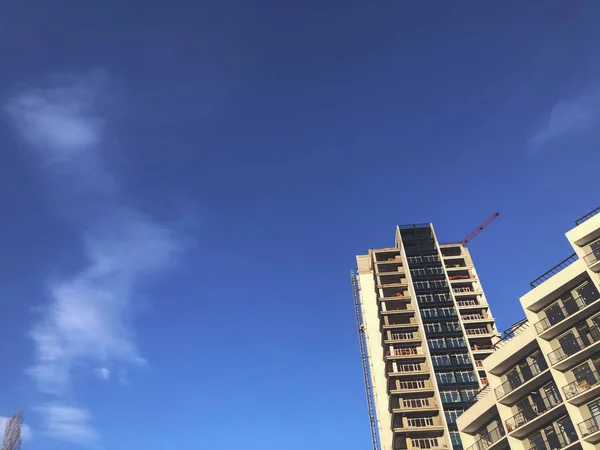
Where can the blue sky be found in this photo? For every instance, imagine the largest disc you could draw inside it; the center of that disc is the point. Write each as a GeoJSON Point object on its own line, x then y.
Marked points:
{"type": "Point", "coordinates": [185, 186]}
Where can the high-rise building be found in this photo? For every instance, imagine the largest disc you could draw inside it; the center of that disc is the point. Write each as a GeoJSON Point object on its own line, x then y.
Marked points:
{"type": "Point", "coordinates": [544, 382]}
{"type": "Point", "coordinates": [427, 327]}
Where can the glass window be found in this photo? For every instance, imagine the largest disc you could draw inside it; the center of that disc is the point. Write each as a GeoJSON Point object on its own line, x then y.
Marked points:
{"type": "Point", "coordinates": [588, 292]}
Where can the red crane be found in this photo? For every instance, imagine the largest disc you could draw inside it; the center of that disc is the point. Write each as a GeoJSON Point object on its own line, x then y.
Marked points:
{"type": "Point", "coordinates": [477, 230]}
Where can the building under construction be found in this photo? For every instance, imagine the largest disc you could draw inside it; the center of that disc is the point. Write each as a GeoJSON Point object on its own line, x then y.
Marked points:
{"type": "Point", "coordinates": [425, 327]}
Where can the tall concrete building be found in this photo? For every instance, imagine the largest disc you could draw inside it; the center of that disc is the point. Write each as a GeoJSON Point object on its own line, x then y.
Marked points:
{"type": "Point", "coordinates": [544, 382]}
{"type": "Point", "coordinates": [426, 328]}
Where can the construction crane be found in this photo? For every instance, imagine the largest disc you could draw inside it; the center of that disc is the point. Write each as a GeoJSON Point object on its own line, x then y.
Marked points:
{"type": "Point", "coordinates": [366, 365]}
{"type": "Point", "coordinates": [12, 433]}
{"type": "Point", "coordinates": [480, 228]}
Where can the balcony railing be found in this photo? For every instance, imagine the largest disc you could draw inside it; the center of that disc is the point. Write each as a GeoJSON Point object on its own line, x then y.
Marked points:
{"type": "Point", "coordinates": [511, 332]}
{"type": "Point", "coordinates": [468, 303]}
{"type": "Point", "coordinates": [423, 259]}
{"type": "Point", "coordinates": [463, 290]}
{"type": "Point", "coordinates": [574, 346]}
{"type": "Point", "coordinates": [512, 384]}
{"type": "Point", "coordinates": [404, 336]}
{"type": "Point", "coordinates": [477, 347]}
{"type": "Point", "coordinates": [557, 268]}
{"type": "Point", "coordinates": [405, 352]}
{"type": "Point", "coordinates": [488, 439]}
{"type": "Point", "coordinates": [590, 426]}
{"type": "Point", "coordinates": [473, 317]}
{"type": "Point", "coordinates": [562, 440]}
{"type": "Point", "coordinates": [577, 387]}
{"type": "Point", "coordinates": [543, 404]}
{"type": "Point", "coordinates": [592, 257]}
{"type": "Point", "coordinates": [587, 216]}
{"type": "Point", "coordinates": [477, 331]}
{"type": "Point", "coordinates": [577, 304]}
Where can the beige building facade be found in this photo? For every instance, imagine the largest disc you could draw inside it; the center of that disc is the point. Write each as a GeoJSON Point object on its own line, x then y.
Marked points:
{"type": "Point", "coordinates": [543, 381]}
{"type": "Point", "coordinates": [428, 328]}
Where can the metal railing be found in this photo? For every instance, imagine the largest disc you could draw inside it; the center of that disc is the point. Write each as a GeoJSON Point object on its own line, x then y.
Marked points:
{"type": "Point", "coordinates": [545, 323]}
{"type": "Point", "coordinates": [592, 257]}
{"type": "Point", "coordinates": [589, 426]}
{"type": "Point", "coordinates": [477, 331]}
{"type": "Point", "coordinates": [557, 268]}
{"type": "Point", "coordinates": [511, 332]}
{"type": "Point", "coordinates": [562, 440]}
{"type": "Point", "coordinates": [574, 346]}
{"type": "Point", "coordinates": [588, 216]}
{"type": "Point", "coordinates": [526, 415]}
{"type": "Point", "coordinates": [510, 385]}
{"type": "Point", "coordinates": [488, 439]}
{"type": "Point", "coordinates": [577, 387]}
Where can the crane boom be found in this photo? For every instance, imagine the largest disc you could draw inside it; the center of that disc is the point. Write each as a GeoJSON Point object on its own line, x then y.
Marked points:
{"type": "Point", "coordinates": [365, 362]}
{"type": "Point", "coordinates": [477, 230]}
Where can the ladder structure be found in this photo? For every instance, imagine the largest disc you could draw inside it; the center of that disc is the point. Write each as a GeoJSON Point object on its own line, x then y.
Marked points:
{"type": "Point", "coordinates": [366, 365]}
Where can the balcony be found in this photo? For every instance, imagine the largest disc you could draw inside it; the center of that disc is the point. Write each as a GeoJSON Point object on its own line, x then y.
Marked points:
{"type": "Point", "coordinates": [420, 423]}
{"type": "Point", "coordinates": [405, 336]}
{"type": "Point", "coordinates": [413, 386]}
{"type": "Point", "coordinates": [482, 348]}
{"type": "Point", "coordinates": [523, 421]}
{"type": "Point", "coordinates": [487, 440]}
{"type": "Point", "coordinates": [475, 317]}
{"type": "Point", "coordinates": [417, 404]}
{"type": "Point", "coordinates": [520, 382]}
{"type": "Point", "coordinates": [563, 317]}
{"type": "Point", "coordinates": [470, 303]}
{"type": "Point", "coordinates": [464, 290]}
{"type": "Point", "coordinates": [592, 260]}
{"type": "Point", "coordinates": [590, 386]}
{"type": "Point", "coordinates": [428, 443]}
{"type": "Point", "coordinates": [560, 440]}
{"type": "Point", "coordinates": [575, 350]}
{"type": "Point", "coordinates": [408, 351]}
{"type": "Point", "coordinates": [590, 429]}
{"type": "Point", "coordinates": [477, 331]}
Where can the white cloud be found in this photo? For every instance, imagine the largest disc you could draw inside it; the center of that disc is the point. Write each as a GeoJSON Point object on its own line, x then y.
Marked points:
{"type": "Point", "coordinates": [67, 423]}
{"type": "Point", "coordinates": [570, 117]}
{"type": "Point", "coordinates": [26, 433]}
{"type": "Point", "coordinates": [103, 373]}
{"type": "Point", "coordinates": [85, 322]}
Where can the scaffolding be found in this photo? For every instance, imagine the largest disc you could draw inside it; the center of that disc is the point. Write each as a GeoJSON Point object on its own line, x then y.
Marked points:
{"type": "Point", "coordinates": [366, 365]}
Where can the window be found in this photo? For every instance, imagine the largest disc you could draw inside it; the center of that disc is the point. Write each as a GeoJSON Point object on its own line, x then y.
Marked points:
{"type": "Point", "coordinates": [453, 414]}
{"type": "Point", "coordinates": [455, 342]}
{"type": "Point", "coordinates": [468, 394]}
{"type": "Point", "coordinates": [429, 312]}
{"type": "Point", "coordinates": [433, 327]}
{"type": "Point", "coordinates": [455, 439]}
{"type": "Point", "coordinates": [466, 377]}
{"type": "Point", "coordinates": [451, 396]}
{"type": "Point", "coordinates": [588, 292]}
{"type": "Point", "coordinates": [425, 298]}
{"type": "Point", "coordinates": [446, 312]}
{"type": "Point", "coordinates": [416, 384]}
{"type": "Point", "coordinates": [425, 443]}
{"type": "Point", "coordinates": [409, 367]}
{"type": "Point", "coordinates": [441, 360]}
{"type": "Point", "coordinates": [419, 422]}
{"type": "Point", "coordinates": [414, 403]}
{"type": "Point", "coordinates": [461, 358]}
{"type": "Point", "coordinates": [437, 343]}
{"type": "Point", "coordinates": [445, 377]}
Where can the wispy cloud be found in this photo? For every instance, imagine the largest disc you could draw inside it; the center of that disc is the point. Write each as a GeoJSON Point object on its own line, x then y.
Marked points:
{"type": "Point", "coordinates": [569, 117]}
{"type": "Point", "coordinates": [68, 423]}
{"type": "Point", "coordinates": [26, 433]}
{"type": "Point", "coordinates": [85, 321]}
